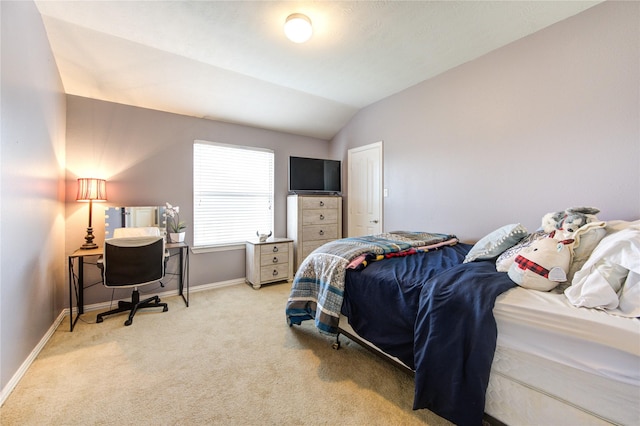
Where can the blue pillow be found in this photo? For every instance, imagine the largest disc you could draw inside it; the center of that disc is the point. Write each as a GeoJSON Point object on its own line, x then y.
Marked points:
{"type": "Point", "coordinates": [493, 244]}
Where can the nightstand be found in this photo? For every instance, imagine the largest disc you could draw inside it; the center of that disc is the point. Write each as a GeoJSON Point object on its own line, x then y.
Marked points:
{"type": "Point", "coordinates": [270, 261]}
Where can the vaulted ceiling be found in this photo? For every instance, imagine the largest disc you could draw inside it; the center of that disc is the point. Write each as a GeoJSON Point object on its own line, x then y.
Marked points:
{"type": "Point", "coordinates": [230, 60]}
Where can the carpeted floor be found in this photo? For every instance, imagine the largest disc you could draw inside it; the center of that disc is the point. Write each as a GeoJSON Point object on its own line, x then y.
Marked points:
{"type": "Point", "coordinates": [228, 359]}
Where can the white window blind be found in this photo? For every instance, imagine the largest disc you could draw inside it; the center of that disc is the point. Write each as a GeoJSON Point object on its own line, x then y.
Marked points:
{"type": "Point", "coordinates": [232, 193]}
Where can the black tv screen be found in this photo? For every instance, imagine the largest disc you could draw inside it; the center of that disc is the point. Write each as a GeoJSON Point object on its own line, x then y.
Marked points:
{"type": "Point", "coordinates": [314, 175]}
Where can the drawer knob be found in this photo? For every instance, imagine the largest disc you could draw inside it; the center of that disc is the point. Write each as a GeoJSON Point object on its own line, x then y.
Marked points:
{"type": "Point", "coordinates": [321, 217]}
{"type": "Point", "coordinates": [275, 260]}
{"type": "Point", "coordinates": [275, 272]}
{"type": "Point", "coordinates": [321, 232]}
{"type": "Point", "coordinates": [275, 249]}
{"type": "Point", "coordinates": [321, 203]}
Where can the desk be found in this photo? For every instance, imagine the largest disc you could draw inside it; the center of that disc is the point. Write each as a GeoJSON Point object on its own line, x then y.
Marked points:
{"type": "Point", "coordinates": [183, 276]}
{"type": "Point", "coordinates": [76, 282]}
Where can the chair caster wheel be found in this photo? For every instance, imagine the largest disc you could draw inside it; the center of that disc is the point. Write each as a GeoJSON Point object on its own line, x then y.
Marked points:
{"type": "Point", "coordinates": [99, 319]}
{"type": "Point", "coordinates": [128, 322]}
{"type": "Point", "coordinates": [165, 309]}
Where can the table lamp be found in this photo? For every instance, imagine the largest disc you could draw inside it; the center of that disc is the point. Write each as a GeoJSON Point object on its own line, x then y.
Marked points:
{"type": "Point", "coordinates": [90, 189]}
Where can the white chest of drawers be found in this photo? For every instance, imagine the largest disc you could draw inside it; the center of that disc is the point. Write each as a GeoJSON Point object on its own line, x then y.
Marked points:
{"type": "Point", "coordinates": [269, 261]}
{"type": "Point", "coordinates": [313, 220]}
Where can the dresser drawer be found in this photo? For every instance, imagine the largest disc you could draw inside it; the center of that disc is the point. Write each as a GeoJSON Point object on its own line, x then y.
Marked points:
{"type": "Point", "coordinates": [309, 246]}
{"type": "Point", "coordinates": [274, 273]}
{"type": "Point", "coordinates": [267, 259]}
{"type": "Point", "coordinates": [274, 248]}
{"type": "Point", "coordinates": [319, 203]}
{"type": "Point", "coordinates": [320, 232]}
{"type": "Point", "coordinates": [319, 216]}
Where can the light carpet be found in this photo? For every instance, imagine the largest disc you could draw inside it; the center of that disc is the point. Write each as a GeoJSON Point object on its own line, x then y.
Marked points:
{"type": "Point", "coordinates": [228, 359]}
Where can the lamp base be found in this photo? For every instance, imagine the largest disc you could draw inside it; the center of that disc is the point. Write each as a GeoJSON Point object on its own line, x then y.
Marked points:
{"type": "Point", "coordinates": [89, 240]}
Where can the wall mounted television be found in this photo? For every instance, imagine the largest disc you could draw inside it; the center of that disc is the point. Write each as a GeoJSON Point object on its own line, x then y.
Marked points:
{"type": "Point", "coordinates": [314, 175]}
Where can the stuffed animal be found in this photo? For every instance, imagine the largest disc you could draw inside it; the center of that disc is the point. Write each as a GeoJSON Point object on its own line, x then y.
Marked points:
{"type": "Point", "coordinates": [543, 265]}
{"type": "Point", "coordinates": [569, 221]}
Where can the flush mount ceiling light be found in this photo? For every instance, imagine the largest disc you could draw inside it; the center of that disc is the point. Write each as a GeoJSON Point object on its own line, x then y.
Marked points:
{"type": "Point", "coordinates": [297, 28]}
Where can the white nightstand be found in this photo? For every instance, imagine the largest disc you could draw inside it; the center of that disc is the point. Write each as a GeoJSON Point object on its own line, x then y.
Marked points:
{"type": "Point", "coordinates": [269, 261]}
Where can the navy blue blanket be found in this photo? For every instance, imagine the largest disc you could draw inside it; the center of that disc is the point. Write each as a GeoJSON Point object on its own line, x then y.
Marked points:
{"type": "Point", "coordinates": [381, 301]}
{"type": "Point", "coordinates": [435, 314]}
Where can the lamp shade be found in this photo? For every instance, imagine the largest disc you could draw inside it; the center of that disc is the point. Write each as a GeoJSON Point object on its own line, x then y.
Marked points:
{"type": "Point", "coordinates": [90, 189]}
{"type": "Point", "coordinates": [298, 28]}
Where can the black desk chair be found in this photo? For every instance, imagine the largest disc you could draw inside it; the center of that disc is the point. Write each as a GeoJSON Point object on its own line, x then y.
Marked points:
{"type": "Point", "coordinates": [133, 262]}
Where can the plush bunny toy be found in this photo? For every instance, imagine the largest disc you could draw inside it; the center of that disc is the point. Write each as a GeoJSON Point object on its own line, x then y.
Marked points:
{"type": "Point", "coordinates": [542, 265]}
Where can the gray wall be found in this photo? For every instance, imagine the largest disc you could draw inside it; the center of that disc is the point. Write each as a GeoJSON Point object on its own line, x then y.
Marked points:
{"type": "Point", "coordinates": [31, 187]}
{"type": "Point", "coordinates": [547, 122]}
{"type": "Point", "coordinates": [146, 157]}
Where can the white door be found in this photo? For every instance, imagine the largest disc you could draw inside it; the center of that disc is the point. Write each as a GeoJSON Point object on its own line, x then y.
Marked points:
{"type": "Point", "coordinates": [143, 216]}
{"type": "Point", "coordinates": [365, 190]}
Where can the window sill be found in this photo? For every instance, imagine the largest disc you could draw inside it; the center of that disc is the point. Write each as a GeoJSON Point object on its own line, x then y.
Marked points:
{"type": "Point", "coordinates": [211, 249]}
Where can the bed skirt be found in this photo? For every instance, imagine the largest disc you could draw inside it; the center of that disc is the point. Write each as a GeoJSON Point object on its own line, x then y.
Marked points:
{"type": "Point", "coordinates": [527, 389]}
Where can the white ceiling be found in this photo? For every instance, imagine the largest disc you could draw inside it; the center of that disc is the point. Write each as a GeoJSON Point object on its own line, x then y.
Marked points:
{"type": "Point", "coordinates": [230, 60]}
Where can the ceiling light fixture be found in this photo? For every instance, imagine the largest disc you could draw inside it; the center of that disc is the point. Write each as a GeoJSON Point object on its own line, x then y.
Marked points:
{"type": "Point", "coordinates": [298, 28]}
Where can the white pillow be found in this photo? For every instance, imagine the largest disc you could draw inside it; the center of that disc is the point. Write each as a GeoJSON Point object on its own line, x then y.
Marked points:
{"type": "Point", "coordinates": [610, 278]}
{"type": "Point", "coordinates": [587, 238]}
{"type": "Point", "coordinates": [494, 243]}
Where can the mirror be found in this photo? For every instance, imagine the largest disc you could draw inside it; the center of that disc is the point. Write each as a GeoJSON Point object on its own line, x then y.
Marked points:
{"type": "Point", "coordinates": [130, 217]}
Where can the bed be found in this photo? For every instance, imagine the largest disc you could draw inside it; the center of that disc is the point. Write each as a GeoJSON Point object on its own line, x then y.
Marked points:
{"type": "Point", "coordinates": [478, 345]}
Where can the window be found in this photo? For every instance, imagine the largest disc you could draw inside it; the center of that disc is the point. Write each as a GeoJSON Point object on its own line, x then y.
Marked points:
{"type": "Point", "coordinates": [232, 193]}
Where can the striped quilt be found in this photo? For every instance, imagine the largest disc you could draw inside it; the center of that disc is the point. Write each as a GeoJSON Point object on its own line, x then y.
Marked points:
{"type": "Point", "coordinates": [318, 287]}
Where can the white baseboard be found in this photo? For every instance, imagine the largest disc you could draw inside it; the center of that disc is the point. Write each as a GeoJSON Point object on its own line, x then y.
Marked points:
{"type": "Point", "coordinates": [6, 391]}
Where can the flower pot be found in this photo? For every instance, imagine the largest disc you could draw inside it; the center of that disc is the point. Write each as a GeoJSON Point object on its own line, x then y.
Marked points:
{"type": "Point", "coordinates": [176, 237]}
